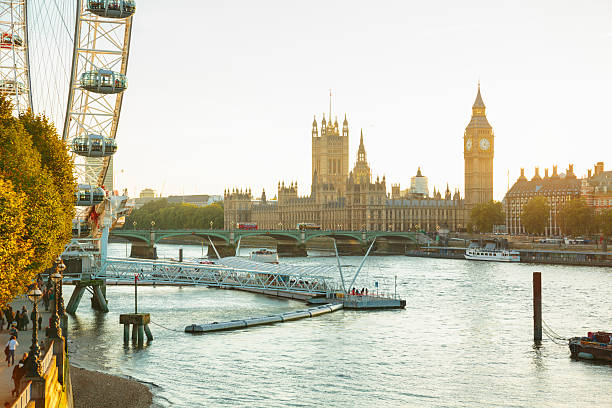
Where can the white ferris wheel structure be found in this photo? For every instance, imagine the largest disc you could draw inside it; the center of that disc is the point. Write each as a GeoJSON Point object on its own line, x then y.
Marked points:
{"type": "Point", "coordinates": [68, 59]}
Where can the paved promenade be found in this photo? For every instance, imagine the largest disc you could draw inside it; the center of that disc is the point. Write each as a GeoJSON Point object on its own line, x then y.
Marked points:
{"type": "Point", "coordinates": [25, 340]}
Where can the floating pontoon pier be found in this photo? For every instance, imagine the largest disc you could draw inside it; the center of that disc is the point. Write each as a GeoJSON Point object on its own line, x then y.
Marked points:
{"type": "Point", "coordinates": [258, 321]}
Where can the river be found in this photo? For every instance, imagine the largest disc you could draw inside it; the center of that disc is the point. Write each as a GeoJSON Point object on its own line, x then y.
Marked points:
{"type": "Point", "coordinates": [464, 340]}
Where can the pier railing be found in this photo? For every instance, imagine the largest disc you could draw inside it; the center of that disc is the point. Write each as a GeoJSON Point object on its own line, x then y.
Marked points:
{"type": "Point", "coordinates": [297, 280]}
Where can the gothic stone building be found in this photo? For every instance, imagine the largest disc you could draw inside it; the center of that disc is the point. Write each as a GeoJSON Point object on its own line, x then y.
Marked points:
{"type": "Point", "coordinates": [345, 200]}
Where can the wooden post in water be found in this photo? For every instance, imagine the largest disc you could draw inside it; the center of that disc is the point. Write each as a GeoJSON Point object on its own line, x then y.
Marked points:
{"type": "Point", "coordinates": [180, 254]}
{"type": "Point", "coordinates": [126, 333]}
{"type": "Point", "coordinates": [537, 307]}
{"type": "Point", "coordinates": [135, 294]}
{"type": "Point", "coordinates": [140, 335]}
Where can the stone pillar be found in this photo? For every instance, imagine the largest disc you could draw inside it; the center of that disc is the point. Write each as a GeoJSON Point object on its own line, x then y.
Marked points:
{"type": "Point", "coordinates": [290, 250]}
{"type": "Point", "coordinates": [223, 249]}
{"type": "Point", "coordinates": [143, 250]}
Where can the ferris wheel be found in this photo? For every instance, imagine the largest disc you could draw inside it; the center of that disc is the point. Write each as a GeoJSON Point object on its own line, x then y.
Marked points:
{"type": "Point", "coordinates": [14, 66]}
{"type": "Point", "coordinates": [76, 56]}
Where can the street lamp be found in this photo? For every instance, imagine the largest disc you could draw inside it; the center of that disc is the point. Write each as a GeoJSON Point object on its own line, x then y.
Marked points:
{"type": "Point", "coordinates": [134, 224]}
{"type": "Point", "coordinates": [152, 224]}
{"type": "Point", "coordinates": [61, 268]}
{"type": "Point", "coordinates": [211, 224]}
{"type": "Point", "coordinates": [56, 278]}
{"type": "Point", "coordinates": [34, 369]}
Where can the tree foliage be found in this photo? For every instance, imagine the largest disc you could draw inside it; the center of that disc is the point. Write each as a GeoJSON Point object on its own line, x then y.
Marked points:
{"type": "Point", "coordinates": [36, 171]}
{"type": "Point", "coordinates": [605, 223]}
{"type": "Point", "coordinates": [15, 248]}
{"type": "Point", "coordinates": [576, 218]}
{"type": "Point", "coordinates": [535, 215]}
{"type": "Point", "coordinates": [175, 216]}
{"type": "Point", "coordinates": [484, 216]}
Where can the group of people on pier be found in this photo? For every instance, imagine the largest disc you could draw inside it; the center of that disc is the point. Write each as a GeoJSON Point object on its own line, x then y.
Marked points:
{"type": "Point", "coordinates": [357, 292]}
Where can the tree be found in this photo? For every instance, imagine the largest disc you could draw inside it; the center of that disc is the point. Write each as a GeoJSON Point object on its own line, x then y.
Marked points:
{"type": "Point", "coordinates": [484, 216]}
{"type": "Point", "coordinates": [605, 223]}
{"type": "Point", "coordinates": [576, 218]}
{"type": "Point", "coordinates": [535, 215]}
{"type": "Point", "coordinates": [15, 248]}
{"type": "Point", "coordinates": [37, 173]}
{"type": "Point", "coordinates": [176, 216]}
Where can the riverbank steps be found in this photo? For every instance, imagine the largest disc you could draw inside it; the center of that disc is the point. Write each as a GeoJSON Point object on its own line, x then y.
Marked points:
{"type": "Point", "coordinates": [258, 321]}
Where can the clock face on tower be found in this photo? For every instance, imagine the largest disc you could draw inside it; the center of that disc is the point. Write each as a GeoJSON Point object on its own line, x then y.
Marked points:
{"type": "Point", "coordinates": [484, 144]}
{"type": "Point", "coordinates": [468, 145]}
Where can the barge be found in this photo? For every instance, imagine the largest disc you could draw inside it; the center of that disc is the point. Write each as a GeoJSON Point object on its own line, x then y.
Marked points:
{"type": "Point", "coordinates": [596, 346]}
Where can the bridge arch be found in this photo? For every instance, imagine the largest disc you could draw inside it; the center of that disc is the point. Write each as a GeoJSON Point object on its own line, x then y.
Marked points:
{"type": "Point", "coordinates": [339, 235]}
{"type": "Point", "coordinates": [159, 236]}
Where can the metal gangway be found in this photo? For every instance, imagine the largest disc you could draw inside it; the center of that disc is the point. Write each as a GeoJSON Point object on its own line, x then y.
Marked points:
{"type": "Point", "coordinates": [225, 273]}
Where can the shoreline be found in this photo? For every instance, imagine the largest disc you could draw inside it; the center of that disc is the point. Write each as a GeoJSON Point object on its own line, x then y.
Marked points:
{"type": "Point", "coordinates": [95, 389]}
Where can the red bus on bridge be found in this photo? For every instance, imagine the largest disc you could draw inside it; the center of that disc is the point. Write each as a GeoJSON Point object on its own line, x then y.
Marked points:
{"type": "Point", "coordinates": [246, 225]}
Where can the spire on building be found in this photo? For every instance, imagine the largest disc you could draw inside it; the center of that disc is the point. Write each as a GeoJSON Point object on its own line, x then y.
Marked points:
{"type": "Point", "coordinates": [522, 176]}
{"type": "Point", "coordinates": [330, 116]}
{"type": "Point", "coordinates": [419, 174]}
{"type": "Point", "coordinates": [478, 103]}
{"type": "Point", "coordinates": [361, 152]}
{"type": "Point", "coordinates": [345, 130]}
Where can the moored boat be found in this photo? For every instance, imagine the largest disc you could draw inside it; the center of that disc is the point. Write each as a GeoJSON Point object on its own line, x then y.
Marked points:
{"type": "Point", "coordinates": [264, 255]}
{"type": "Point", "coordinates": [493, 250]}
{"type": "Point", "coordinates": [596, 346]}
{"type": "Point", "coordinates": [497, 255]}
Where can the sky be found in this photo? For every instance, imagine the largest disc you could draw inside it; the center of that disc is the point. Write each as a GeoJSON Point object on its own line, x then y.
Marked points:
{"type": "Point", "coordinates": [222, 94]}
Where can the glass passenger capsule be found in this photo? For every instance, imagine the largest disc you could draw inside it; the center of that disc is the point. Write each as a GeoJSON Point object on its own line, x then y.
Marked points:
{"type": "Point", "coordinates": [112, 8]}
{"type": "Point", "coordinates": [94, 146]}
{"type": "Point", "coordinates": [7, 40]}
{"type": "Point", "coordinates": [80, 228]}
{"type": "Point", "coordinates": [87, 195]}
{"type": "Point", "coordinates": [10, 87]}
{"type": "Point", "coordinates": [103, 81]}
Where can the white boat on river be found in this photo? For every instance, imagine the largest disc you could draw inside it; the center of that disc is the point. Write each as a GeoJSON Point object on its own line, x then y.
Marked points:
{"type": "Point", "coordinates": [496, 255]}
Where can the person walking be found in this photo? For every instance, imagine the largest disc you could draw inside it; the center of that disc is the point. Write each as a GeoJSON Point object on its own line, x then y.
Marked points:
{"type": "Point", "coordinates": [18, 373]}
{"type": "Point", "coordinates": [24, 319]}
{"type": "Point", "coordinates": [33, 319]}
{"type": "Point", "coordinates": [11, 345]}
{"type": "Point", "coordinates": [46, 299]}
{"type": "Point", "coordinates": [13, 330]}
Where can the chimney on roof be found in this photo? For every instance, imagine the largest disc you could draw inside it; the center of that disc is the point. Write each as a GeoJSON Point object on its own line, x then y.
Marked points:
{"type": "Point", "coordinates": [536, 176]}
{"type": "Point", "coordinates": [545, 173]}
{"type": "Point", "coordinates": [522, 177]}
{"type": "Point", "coordinates": [589, 176]}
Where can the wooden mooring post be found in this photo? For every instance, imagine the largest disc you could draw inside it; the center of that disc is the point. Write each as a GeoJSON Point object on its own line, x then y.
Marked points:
{"type": "Point", "coordinates": [537, 307]}
{"type": "Point", "coordinates": [140, 327]}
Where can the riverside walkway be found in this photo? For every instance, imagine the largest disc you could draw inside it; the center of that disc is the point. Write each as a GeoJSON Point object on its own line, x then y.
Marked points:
{"type": "Point", "coordinates": [25, 341]}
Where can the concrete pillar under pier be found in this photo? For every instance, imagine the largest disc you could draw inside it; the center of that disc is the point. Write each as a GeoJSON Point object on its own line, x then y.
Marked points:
{"type": "Point", "coordinates": [143, 250]}
{"type": "Point", "coordinates": [290, 250]}
{"type": "Point", "coordinates": [223, 249]}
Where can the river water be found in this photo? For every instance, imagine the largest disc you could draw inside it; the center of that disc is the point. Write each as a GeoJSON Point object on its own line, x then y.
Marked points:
{"type": "Point", "coordinates": [464, 340]}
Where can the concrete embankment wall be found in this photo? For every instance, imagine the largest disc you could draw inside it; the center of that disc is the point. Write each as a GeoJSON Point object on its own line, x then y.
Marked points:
{"type": "Point", "coordinates": [258, 321]}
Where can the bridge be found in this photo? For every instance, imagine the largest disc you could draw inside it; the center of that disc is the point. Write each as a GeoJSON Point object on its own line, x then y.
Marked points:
{"type": "Point", "coordinates": [288, 242]}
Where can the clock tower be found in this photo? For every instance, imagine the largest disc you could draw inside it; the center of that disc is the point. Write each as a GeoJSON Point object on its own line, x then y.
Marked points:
{"type": "Point", "coordinates": [478, 148]}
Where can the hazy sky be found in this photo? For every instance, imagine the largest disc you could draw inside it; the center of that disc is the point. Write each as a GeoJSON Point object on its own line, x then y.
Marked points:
{"type": "Point", "coordinates": [222, 94]}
